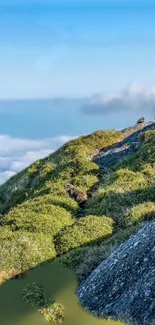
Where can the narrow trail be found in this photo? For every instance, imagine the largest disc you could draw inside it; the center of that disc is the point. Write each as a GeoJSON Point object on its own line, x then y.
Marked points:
{"type": "Point", "coordinates": [110, 156]}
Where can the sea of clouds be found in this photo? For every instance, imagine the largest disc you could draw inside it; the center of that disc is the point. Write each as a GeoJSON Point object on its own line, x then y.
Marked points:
{"type": "Point", "coordinates": [134, 99]}
{"type": "Point", "coordinates": [16, 154]}
{"type": "Point", "coordinates": [101, 111]}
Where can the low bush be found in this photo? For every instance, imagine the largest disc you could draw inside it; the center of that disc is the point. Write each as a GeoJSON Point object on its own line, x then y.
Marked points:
{"type": "Point", "coordinates": [140, 212]}
{"type": "Point", "coordinates": [69, 164]}
{"type": "Point", "coordinates": [74, 257]}
{"type": "Point", "coordinates": [97, 253]}
{"type": "Point", "coordinates": [34, 295]}
{"type": "Point", "coordinates": [85, 259]}
{"type": "Point", "coordinates": [20, 251]}
{"type": "Point", "coordinates": [5, 233]}
{"type": "Point", "coordinates": [145, 154]}
{"type": "Point", "coordinates": [53, 313]}
{"type": "Point", "coordinates": [85, 231]}
{"type": "Point", "coordinates": [38, 215]}
{"type": "Point", "coordinates": [123, 190]}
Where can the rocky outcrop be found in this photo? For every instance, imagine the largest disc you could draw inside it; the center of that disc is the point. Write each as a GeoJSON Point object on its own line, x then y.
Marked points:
{"type": "Point", "coordinates": [141, 120]}
{"type": "Point", "coordinates": [123, 286]}
{"type": "Point", "coordinates": [116, 153]}
{"type": "Point", "coordinates": [79, 196]}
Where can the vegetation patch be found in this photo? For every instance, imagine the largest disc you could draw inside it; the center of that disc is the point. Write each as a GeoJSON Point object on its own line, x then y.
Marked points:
{"type": "Point", "coordinates": [84, 260]}
{"type": "Point", "coordinates": [21, 251]}
{"type": "Point", "coordinates": [144, 211]}
{"type": "Point", "coordinates": [34, 295]}
{"type": "Point", "coordinates": [38, 215]}
{"type": "Point", "coordinates": [39, 221]}
{"type": "Point", "coordinates": [85, 231]}
{"type": "Point", "coordinates": [69, 164]}
{"type": "Point", "coordinates": [54, 313]}
{"type": "Point", "coordinates": [122, 191]}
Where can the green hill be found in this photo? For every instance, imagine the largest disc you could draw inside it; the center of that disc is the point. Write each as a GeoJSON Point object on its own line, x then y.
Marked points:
{"type": "Point", "coordinates": [40, 222]}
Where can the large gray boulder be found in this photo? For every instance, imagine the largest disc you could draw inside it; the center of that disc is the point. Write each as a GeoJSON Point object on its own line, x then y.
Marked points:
{"type": "Point", "coordinates": [123, 286]}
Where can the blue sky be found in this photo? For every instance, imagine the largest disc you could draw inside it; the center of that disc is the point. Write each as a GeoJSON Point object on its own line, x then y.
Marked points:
{"type": "Point", "coordinates": [69, 68]}
{"type": "Point", "coordinates": [65, 48]}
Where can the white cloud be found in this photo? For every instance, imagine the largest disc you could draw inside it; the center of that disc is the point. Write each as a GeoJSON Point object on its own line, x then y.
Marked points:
{"type": "Point", "coordinates": [16, 154]}
{"type": "Point", "coordinates": [4, 176]}
{"type": "Point", "coordinates": [10, 145]}
{"type": "Point", "coordinates": [28, 158]}
{"type": "Point", "coordinates": [136, 98]}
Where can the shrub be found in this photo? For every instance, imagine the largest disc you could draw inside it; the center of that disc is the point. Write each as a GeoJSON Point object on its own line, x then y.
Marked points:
{"type": "Point", "coordinates": [69, 164]}
{"type": "Point", "coordinates": [64, 202]}
{"type": "Point", "coordinates": [34, 294]}
{"type": "Point", "coordinates": [84, 231]}
{"type": "Point", "coordinates": [38, 215]}
{"type": "Point", "coordinates": [145, 154]}
{"type": "Point", "coordinates": [140, 212]}
{"type": "Point", "coordinates": [97, 253]}
{"type": "Point", "coordinates": [122, 191]}
{"type": "Point", "coordinates": [53, 313]}
{"type": "Point", "coordinates": [5, 233]}
{"type": "Point", "coordinates": [21, 251]}
{"type": "Point", "coordinates": [74, 257]}
{"type": "Point", "coordinates": [85, 259]}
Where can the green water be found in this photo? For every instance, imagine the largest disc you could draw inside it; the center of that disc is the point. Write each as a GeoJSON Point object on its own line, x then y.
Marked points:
{"type": "Point", "coordinates": [59, 283]}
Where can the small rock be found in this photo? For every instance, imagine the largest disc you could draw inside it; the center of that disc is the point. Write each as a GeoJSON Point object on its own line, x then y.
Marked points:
{"type": "Point", "coordinates": [141, 120]}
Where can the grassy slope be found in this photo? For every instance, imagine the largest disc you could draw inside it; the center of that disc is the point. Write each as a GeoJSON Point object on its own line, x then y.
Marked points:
{"type": "Point", "coordinates": [39, 222]}
{"type": "Point", "coordinates": [34, 204]}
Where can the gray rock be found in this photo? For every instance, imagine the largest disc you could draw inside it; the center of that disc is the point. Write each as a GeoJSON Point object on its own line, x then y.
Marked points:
{"type": "Point", "coordinates": [110, 156]}
{"type": "Point", "coordinates": [123, 286]}
{"type": "Point", "coordinates": [79, 196]}
{"type": "Point", "coordinates": [141, 120]}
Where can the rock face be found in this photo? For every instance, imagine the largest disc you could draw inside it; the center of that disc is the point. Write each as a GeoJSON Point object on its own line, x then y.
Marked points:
{"type": "Point", "coordinates": [77, 195]}
{"type": "Point", "coordinates": [116, 153]}
{"type": "Point", "coordinates": [123, 286]}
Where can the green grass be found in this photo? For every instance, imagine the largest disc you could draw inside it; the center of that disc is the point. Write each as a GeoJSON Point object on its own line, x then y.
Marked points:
{"type": "Point", "coordinates": [35, 208]}
{"type": "Point", "coordinates": [39, 221]}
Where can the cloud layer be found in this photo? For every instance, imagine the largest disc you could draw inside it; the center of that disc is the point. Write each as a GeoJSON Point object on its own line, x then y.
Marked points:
{"type": "Point", "coordinates": [16, 154]}
{"type": "Point", "coordinates": [136, 98]}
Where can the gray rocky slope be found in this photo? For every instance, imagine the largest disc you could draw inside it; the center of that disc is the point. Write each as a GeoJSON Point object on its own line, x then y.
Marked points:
{"type": "Point", "coordinates": [114, 154]}
{"type": "Point", "coordinates": [123, 286]}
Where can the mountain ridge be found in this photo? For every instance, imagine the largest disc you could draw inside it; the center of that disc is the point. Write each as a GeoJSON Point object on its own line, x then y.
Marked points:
{"type": "Point", "coordinates": [40, 222]}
